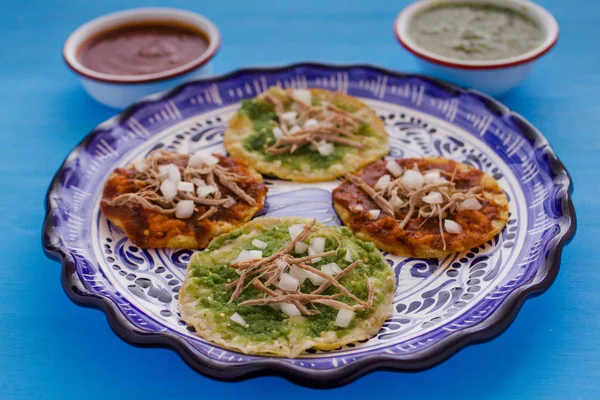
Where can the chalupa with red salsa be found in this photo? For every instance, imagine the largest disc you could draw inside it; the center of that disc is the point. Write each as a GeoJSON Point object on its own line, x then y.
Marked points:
{"type": "Point", "coordinates": [180, 200]}
{"type": "Point", "coordinates": [423, 207]}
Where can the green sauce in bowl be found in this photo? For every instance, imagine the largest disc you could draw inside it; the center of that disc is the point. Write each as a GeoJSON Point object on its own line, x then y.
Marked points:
{"type": "Point", "coordinates": [475, 31]}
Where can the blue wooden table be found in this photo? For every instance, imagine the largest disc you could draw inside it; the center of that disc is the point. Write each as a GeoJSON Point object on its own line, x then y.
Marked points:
{"type": "Point", "coordinates": [53, 349]}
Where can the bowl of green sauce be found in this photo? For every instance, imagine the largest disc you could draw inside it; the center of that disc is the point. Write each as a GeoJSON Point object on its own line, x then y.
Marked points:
{"type": "Point", "coordinates": [489, 45]}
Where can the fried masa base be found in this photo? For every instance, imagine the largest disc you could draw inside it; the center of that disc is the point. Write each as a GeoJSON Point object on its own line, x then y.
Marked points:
{"type": "Point", "coordinates": [150, 229]}
{"type": "Point", "coordinates": [210, 326]}
{"type": "Point", "coordinates": [241, 127]}
{"type": "Point", "coordinates": [424, 241]}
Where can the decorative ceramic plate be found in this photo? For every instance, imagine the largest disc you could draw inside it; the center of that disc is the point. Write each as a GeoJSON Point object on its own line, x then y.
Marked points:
{"type": "Point", "coordinates": [439, 305]}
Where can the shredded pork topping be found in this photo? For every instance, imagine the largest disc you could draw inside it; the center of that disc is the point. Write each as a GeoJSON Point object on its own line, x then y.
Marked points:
{"type": "Point", "coordinates": [148, 200]}
{"type": "Point", "coordinates": [424, 199]}
{"type": "Point", "coordinates": [264, 273]}
{"type": "Point", "coordinates": [149, 177]}
{"type": "Point", "coordinates": [315, 126]}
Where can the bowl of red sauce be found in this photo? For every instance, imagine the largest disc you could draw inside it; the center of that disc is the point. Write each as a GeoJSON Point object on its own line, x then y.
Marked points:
{"type": "Point", "coordinates": [126, 55]}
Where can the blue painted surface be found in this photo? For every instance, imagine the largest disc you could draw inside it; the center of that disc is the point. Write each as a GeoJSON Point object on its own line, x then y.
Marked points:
{"type": "Point", "coordinates": [53, 349]}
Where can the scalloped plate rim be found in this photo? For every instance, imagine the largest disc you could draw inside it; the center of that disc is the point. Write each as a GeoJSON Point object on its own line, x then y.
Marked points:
{"type": "Point", "coordinates": [486, 330]}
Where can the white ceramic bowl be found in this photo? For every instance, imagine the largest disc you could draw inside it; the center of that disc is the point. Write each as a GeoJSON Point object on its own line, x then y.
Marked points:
{"type": "Point", "coordinates": [492, 77]}
{"type": "Point", "coordinates": [120, 91]}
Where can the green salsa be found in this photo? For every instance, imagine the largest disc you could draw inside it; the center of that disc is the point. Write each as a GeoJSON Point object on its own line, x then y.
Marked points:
{"type": "Point", "coordinates": [209, 277]}
{"type": "Point", "coordinates": [264, 120]}
{"type": "Point", "coordinates": [475, 31]}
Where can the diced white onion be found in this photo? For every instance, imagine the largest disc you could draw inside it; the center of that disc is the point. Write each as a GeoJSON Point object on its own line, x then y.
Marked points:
{"type": "Point", "coordinates": [238, 319]}
{"type": "Point", "coordinates": [434, 177]}
{"type": "Point", "coordinates": [452, 227]}
{"type": "Point", "coordinates": [242, 257]}
{"type": "Point", "coordinates": [140, 165]}
{"type": "Point", "coordinates": [471, 204]}
{"type": "Point", "coordinates": [312, 252]}
{"type": "Point", "coordinates": [288, 283]}
{"type": "Point", "coordinates": [255, 254]}
{"type": "Point", "coordinates": [317, 244]}
{"type": "Point", "coordinates": [356, 207]}
{"type": "Point", "coordinates": [298, 273]}
{"type": "Point", "coordinates": [259, 243]}
{"type": "Point", "coordinates": [294, 129]}
{"type": "Point", "coordinates": [174, 173]}
{"type": "Point", "coordinates": [331, 269]}
{"type": "Point", "coordinates": [314, 278]}
{"type": "Point", "coordinates": [163, 171]}
{"type": "Point", "coordinates": [343, 318]}
{"type": "Point", "coordinates": [204, 191]}
{"type": "Point", "coordinates": [281, 264]}
{"type": "Point", "coordinates": [396, 202]}
{"type": "Point", "coordinates": [290, 117]}
{"type": "Point", "coordinates": [394, 168]}
{"type": "Point", "coordinates": [300, 248]}
{"type": "Point", "coordinates": [295, 230]}
{"type": "Point", "coordinates": [413, 179]}
{"type": "Point", "coordinates": [230, 202]}
{"type": "Point", "coordinates": [198, 182]}
{"type": "Point", "coordinates": [374, 214]}
{"type": "Point", "coordinates": [383, 182]}
{"type": "Point", "coordinates": [169, 171]}
{"type": "Point", "coordinates": [348, 256]}
{"type": "Point", "coordinates": [325, 148]}
{"type": "Point", "coordinates": [303, 95]}
{"type": "Point", "coordinates": [277, 132]}
{"type": "Point", "coordinates": [168, 189]}
{"type": "Point", "coordinates": [247, 255]}
{"type": "Point", "coordinates": [199, 159]}
{"type": "Point", "coordinates": [185, 186]}
{"type": "Point", "coordinates": [184, 209]}
{"type": "Point", "coordinates": [289, 309]}
{"type": "Point", "coordinates": [433, 198]}
{"type": "Point", "coordinates": [311, 123]}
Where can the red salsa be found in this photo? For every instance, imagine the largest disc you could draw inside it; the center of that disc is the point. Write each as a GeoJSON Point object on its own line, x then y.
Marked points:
{"type": "Point", "coordinates": [143, 48]}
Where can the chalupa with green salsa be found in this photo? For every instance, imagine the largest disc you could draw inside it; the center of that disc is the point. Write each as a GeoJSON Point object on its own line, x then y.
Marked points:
{"type": "Point", "coordinates": [306, 135]}
{"type": "Point", "coordinates": [280, 286]}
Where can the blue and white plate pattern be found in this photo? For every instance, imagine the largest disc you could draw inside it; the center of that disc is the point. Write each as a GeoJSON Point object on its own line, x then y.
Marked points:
{"type": "Point", "coordinates": [439, 305]}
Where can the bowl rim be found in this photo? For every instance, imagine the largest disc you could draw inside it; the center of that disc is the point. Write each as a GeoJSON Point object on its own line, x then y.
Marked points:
{"type": "Point", "coordinates": [105, 22]}
{"type": "Point", "coordinates": [542, 16]}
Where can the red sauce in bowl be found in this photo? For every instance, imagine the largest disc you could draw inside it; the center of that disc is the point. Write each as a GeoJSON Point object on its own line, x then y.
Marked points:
{"type": "Point", "coordinates": [143, 48]}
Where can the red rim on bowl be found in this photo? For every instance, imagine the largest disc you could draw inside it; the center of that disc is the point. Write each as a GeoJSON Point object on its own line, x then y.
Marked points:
{"type": "Point", "coordinates": [88, 30]}
{"type": "Point", "coordinates": [532, 10]}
